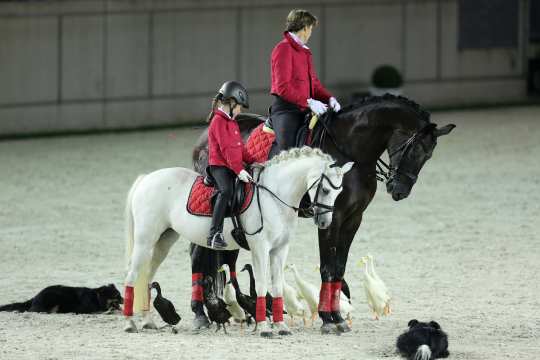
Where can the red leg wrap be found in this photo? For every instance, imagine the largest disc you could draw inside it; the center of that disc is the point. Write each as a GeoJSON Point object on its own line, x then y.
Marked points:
{"type": "Point", "coordinates": [260, 313]}
{"type": "Point", "coordinates": [325, 297]}
{"type": "Point", "coordinates": [196, 287]}
{"type": "Point", "coordinates": [336, 294]}
{"type": "Point", "coordinates": [277, 309]}
{"type": "Point", "coordinates": [128, 301]}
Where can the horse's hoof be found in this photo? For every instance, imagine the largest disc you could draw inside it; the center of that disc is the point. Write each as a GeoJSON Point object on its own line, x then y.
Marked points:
{"type": "Point", "coordinates": [266, 334]}
{"type": "Point", "coordinates": [285, 332]}
{"type": "Point", "coordinates": [343, 327]}
{"type": "Point", "coordinates": [130, 327]}
{"type": "Point", "coordinates": [328, 328]}
{"type": "Point", "coordinates": [200, 322]}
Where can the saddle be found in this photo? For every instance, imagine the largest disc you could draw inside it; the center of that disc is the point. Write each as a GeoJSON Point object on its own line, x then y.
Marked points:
{"type": "Point", "coordinates": [202, 197]}
{"type": "Point", "coordinates": [304, 136]}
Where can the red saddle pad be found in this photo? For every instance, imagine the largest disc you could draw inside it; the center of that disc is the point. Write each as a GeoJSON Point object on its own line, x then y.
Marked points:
{"type": "Point", "coordinates": [199, 198]}
{"type": "Point", "coordinates": [258, 145]}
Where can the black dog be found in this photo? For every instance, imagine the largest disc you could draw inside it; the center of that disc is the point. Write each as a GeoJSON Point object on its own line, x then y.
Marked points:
{"type": "Point", "coordinates": [68, 299]}
{"type": "Point", "coordinates": [423, 341]}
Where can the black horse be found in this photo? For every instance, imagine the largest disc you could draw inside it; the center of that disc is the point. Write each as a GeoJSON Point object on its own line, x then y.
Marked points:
{"type": "Point", "coordinates": [361, 133]}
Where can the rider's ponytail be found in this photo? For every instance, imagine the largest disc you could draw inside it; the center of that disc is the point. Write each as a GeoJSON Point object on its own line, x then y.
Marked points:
{"type": "Point", "coordinates": [214, 106]}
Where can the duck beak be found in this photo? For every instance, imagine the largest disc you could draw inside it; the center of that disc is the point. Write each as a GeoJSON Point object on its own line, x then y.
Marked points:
{"type": "Point", "coordinates": [362, 261]}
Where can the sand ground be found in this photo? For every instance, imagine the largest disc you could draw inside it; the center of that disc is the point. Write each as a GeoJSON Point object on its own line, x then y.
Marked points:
{"type": "Point", "coordinates": [463, 249]}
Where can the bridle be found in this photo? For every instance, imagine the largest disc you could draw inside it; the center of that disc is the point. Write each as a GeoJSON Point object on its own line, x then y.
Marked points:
{"type": "Point", "coordinates": [314, 205]}
{"type": "Point", "coordinates": [383, 172]}
{"type": "Point", "coordinates": [402, 150]}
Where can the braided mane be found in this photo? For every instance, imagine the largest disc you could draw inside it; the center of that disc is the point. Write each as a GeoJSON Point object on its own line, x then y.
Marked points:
{"type": "Point", "coordinates": [297, 153]}
{"type": "Point", "coordinates": [401, 100]}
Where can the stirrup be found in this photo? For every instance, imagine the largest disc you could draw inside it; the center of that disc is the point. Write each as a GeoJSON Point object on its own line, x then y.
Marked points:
{"type": "Point", "coordinates": [217, 241]}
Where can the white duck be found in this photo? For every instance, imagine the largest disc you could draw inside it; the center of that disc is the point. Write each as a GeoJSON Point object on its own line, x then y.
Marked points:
{"type": "Point", "coordinates": [346, 308]}
{"type": "Point", "coordinates": [308, 291]}
{"type": "Point", "coordinates": [377, 295]}
{"type": "Point", "coordinates": [229, 296]}
{"type": "Point", "coordinates": [294, 303]}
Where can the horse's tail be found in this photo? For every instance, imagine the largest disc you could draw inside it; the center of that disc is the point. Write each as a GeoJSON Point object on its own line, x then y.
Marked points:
{"type": "Point", "coordinates": [128, 215]}
{"type": "Point", "coordinates": [140, 300]}
{"type": "Point", "coordinates": [21, 307]}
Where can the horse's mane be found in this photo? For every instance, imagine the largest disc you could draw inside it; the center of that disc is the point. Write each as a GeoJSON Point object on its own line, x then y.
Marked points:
{"type": "Point", "coordinates": [400, 100]}
{"type": "Point", "coordinates": [297, 153]}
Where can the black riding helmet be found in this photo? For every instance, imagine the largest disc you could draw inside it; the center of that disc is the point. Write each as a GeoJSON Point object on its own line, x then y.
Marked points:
{"type": "Point", "coordinates": [234, 90]}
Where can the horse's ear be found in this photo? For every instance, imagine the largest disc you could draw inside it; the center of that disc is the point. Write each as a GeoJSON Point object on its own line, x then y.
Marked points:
{"type": "Point", "coordinates": [412, 322]}
{"type": "Point", "coordinates": [348, 166]}
{"type": "Point", "coordinates": [444, 130]}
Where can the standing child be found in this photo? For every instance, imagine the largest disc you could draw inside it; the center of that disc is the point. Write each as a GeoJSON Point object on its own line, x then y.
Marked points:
{"type": "Point", "coordinates": [225, 153]}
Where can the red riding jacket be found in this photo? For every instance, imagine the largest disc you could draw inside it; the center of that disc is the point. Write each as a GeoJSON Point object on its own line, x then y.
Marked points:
{"type": "Point", "coordinates": [225, 146]}
{"type": "Point", "coordinates": [293, 75]}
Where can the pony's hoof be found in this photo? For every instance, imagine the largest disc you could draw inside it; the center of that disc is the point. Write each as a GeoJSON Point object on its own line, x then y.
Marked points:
{"type": "Point", "coordinates": [149, 325]}
{"type": "Point", "coordinates": [282, 328]}
{"type": "Point", "coordinates": [343, 327]}
{"type": "Point", "coordinates": [200, 322]}
{"type": "Point", "coordinates": [130, 327]}
{"type": "Point", "coordinates": [328, 328]}
{"type": "Point", "coordinates": [265, 330]}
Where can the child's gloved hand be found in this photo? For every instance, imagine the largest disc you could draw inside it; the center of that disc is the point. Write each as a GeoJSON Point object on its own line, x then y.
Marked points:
{"type": "Point", "coordinates": [245, 177]}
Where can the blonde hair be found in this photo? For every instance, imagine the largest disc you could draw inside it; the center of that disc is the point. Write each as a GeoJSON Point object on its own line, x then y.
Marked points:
{"type": "Point", "coordinates": [215, 102]}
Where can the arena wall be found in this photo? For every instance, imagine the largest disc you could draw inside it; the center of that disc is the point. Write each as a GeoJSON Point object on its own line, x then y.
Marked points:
{"type": "Point", "coordinates": [78, 65]}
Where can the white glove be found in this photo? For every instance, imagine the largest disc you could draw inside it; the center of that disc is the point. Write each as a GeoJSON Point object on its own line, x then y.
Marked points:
{"type": "Point", "coordinates": [334, 104]}
{"type": "Point", "coordinates": [316, 106]}
{"type": "Point", "coordinates": [245, 177]}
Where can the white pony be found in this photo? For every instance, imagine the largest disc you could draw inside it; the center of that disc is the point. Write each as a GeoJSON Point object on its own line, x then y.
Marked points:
{"type": "Point", "coordinates": [156, 217]}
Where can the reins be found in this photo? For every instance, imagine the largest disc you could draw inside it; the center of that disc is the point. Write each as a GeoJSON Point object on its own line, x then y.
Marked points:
{"type": "Point", "coordinates": [312, 205]}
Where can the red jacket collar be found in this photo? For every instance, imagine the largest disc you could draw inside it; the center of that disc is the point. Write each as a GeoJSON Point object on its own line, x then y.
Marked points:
{"type": "Point", "coordinates": [223, 114]}
{"type": "Point", "coordinates": [296, 46]}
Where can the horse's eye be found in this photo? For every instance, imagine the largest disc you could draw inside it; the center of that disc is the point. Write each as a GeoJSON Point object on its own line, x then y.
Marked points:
{"type": "Point", "coordinates": [325, 191]}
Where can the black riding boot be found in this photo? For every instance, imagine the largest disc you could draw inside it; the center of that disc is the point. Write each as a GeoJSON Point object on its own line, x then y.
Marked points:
{"type": "Point", "coordinates": [215, 239]}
